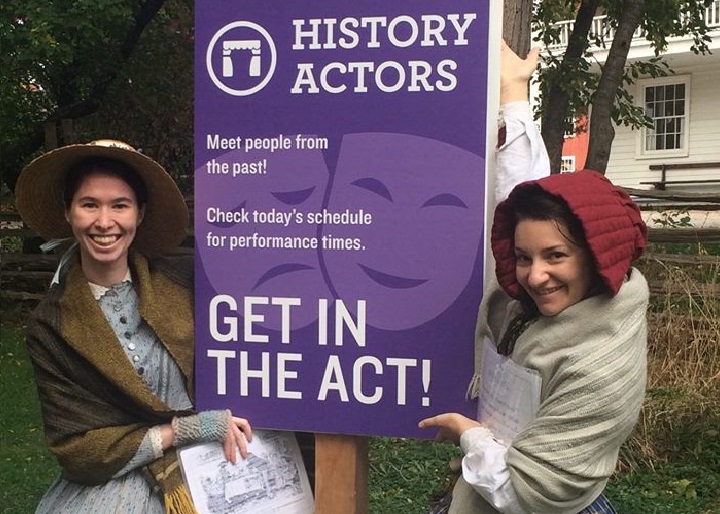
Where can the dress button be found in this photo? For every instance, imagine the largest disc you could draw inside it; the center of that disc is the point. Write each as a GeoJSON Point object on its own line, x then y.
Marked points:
{"type": "Point", "coordinates": [136, 358]}
{"type": "Point", "coordinates": [141, 370]}
{"type": "Point", "coordinates": [123, 319]}
{"type": "Point", "coordinates": [131, 346]}
{"type": "Point", "coordinates": [127, 335]}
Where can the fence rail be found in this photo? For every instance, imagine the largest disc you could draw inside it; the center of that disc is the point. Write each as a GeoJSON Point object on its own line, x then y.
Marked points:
{"type": "Point", "coordinates": [25, 277]}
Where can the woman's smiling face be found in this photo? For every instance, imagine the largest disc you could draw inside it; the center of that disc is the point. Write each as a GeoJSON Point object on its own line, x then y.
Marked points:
{"type": "Point", "coordinates": [104, 216]}
{"type": "Point", "coordinates": [554, 271]}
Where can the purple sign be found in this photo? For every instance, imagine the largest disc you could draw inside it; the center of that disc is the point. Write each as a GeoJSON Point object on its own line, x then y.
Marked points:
{"type": "Point", "coordinates": [339, 210]}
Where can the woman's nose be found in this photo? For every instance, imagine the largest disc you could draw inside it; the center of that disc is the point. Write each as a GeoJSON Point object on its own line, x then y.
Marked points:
{"type": "Point", "coordinates": [538, 273]}
{"type": "Point", "coordinates": [104, 219]}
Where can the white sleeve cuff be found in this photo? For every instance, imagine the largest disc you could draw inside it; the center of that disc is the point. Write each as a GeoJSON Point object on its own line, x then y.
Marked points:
{"type": "Point", "coordinates": [484, 467]}
{"type": "Point", "coordinates": [155, 436]}
{"type": "Point", "coordinates": [150, 450]}
{"type": "Point", "coordinates": [522, 155]}
{"type": "Point", "coordinates": [519, 109]}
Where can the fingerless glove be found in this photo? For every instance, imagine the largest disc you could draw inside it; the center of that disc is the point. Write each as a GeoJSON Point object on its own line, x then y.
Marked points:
{"type": "Point", "coordinates": [203, 427]}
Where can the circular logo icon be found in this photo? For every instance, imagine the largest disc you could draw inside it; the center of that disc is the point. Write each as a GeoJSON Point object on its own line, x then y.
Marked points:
{"type": "Point", "coordinates": [241, 58]}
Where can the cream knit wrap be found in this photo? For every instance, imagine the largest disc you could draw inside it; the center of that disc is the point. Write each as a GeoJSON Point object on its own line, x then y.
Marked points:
{"type": "Point", "coordinates": [592, 359]}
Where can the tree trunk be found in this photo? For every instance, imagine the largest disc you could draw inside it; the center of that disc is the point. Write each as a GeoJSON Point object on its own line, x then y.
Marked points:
{"type": "Point", "coordinates": [602, 131]}
{"type": "Point", "coordinates": [557, 96]}
{"type": "Point", "coordinates": [517, 25]}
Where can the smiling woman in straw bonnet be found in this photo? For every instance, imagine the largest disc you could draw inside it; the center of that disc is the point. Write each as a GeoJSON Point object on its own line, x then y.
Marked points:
{"type": "Point", "coordinates": [112, 342]}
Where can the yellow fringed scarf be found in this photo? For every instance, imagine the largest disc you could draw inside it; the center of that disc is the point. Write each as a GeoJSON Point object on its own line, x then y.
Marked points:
{"type": "Point", "coordinates": [166, 472]}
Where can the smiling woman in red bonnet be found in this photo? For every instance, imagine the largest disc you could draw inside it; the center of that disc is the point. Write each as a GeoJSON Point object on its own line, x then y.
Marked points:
{"type": "Point", "coordinates": [560, 342]}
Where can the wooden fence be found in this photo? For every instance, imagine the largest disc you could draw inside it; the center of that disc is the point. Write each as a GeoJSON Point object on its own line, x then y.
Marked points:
{"type": "Point", "coordinates": [25, 277]}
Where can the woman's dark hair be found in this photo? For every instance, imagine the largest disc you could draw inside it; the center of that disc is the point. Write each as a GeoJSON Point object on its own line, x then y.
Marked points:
{"type": "Point", "coordinates": [534, 203]}
{"type": "Point", "coordinates": [104, 165]}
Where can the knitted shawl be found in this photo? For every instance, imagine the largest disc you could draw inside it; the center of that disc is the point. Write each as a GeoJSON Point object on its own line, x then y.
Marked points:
{"type": "Point", "coordinates": [96, 409]}
{"type": "Point", "coordinates": [593, 361]}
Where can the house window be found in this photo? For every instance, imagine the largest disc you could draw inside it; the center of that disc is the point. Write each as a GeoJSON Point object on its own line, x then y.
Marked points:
{"type": "Point", "coordinates": [567, 165]}
{"type": "Point", "coordinates": [666, 103]}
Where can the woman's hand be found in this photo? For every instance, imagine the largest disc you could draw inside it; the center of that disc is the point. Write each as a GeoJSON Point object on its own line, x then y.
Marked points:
{"type": "Point", "coordinates": [211, 425]}
{"type": "Point", "coordinates": [238, 435]}
{"type": "Point", "coordinates": [451, 426]}
{"type": "Point", "coordinates": [515, 73]}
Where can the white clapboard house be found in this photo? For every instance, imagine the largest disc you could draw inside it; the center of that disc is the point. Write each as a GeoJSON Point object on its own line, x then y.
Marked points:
{"type": "Point", "coordinates": [683, 150]}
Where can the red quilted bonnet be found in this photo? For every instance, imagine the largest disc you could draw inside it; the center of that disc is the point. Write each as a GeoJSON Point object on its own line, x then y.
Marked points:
{"type": "Point", "coordinates": [610, 219]}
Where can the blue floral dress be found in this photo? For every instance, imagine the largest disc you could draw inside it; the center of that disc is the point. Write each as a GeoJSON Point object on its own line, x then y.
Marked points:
{"type": "Point", "coordinates": [129, 491]}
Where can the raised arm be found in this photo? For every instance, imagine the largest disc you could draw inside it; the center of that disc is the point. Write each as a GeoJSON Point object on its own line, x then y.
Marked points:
{"type": "Point", "coordinates": [521, 153]}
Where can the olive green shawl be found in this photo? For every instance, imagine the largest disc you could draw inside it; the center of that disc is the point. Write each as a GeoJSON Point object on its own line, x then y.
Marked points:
{"type": "Point", "coordinates": [96, 409]}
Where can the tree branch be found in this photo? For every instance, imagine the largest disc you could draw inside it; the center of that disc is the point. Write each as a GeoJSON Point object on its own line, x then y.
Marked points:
{"type": "Point", "coordinates": [557, 96]}
{"type": "Point", "coordinates": [14, 156]}
{"type": "Point", "coordinates": [92, 102]}
{"type": "Point", "coordinates": [602, 131]}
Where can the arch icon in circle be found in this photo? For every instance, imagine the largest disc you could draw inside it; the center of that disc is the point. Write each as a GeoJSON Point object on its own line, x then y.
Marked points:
{"type": "Point", "coordinates": [252, 45]}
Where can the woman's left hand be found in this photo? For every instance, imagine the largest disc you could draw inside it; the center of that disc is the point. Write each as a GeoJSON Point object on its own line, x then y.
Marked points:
{"type": "Point", "coordinates": [238, 435]}
{"type": "Point", "coordinates": [515, 73]}
{"type": "Point", "coordinates": [451, 426]}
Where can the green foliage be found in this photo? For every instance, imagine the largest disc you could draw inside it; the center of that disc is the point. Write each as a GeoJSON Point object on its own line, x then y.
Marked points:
{"type": "Point", "coordinates": [10, 244]}
{"type": "Point", "coordinates": [150, 104]}
{"type": "Point", "coordinates": [56, 51]}
{"type": "Point", "coordinates": [119, 68]}
{"type": "Point", "coordinates": [698, 248]}
{"type": "Point", "coordinates": [626, 111]}
{"type": "Point", "coordinates": [668, 18]}
{"type": "Point", "coordinates": [575, 75]}
{"type": "Point", "coordinates": [571, 76]}
{"type": "Point", "coordinates": [675, 218]}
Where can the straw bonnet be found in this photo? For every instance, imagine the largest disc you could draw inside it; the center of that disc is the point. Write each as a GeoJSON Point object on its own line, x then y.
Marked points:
{"type": "Point", "coordinates": [614, 230]}
{"type": "Point", "coordinates": [40, 187]}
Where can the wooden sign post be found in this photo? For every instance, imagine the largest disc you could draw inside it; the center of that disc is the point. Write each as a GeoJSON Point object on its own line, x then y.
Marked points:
{"type": "Point", "coordinates": [341, 474]}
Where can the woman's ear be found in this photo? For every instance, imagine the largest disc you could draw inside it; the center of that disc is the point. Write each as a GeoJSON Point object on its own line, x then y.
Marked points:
{"type": "Point", "coordinates": [141, 214]}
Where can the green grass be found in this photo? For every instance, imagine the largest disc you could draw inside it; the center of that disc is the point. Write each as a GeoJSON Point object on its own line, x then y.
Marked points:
{"type": "Point", "coordinates": [406, 476]}
{"type": "Point", "coordinates": [678, 488]}
{"type": "Point", "coordinates": [26, 467]}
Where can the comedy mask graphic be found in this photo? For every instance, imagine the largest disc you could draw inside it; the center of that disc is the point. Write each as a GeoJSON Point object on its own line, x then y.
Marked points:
{"type": "Point", "coordinates": [409, 263]}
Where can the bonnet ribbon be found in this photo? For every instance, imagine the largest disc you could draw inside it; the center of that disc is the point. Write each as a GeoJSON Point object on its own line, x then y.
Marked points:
{"type": "Point", "coordinates": [66, 256]}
